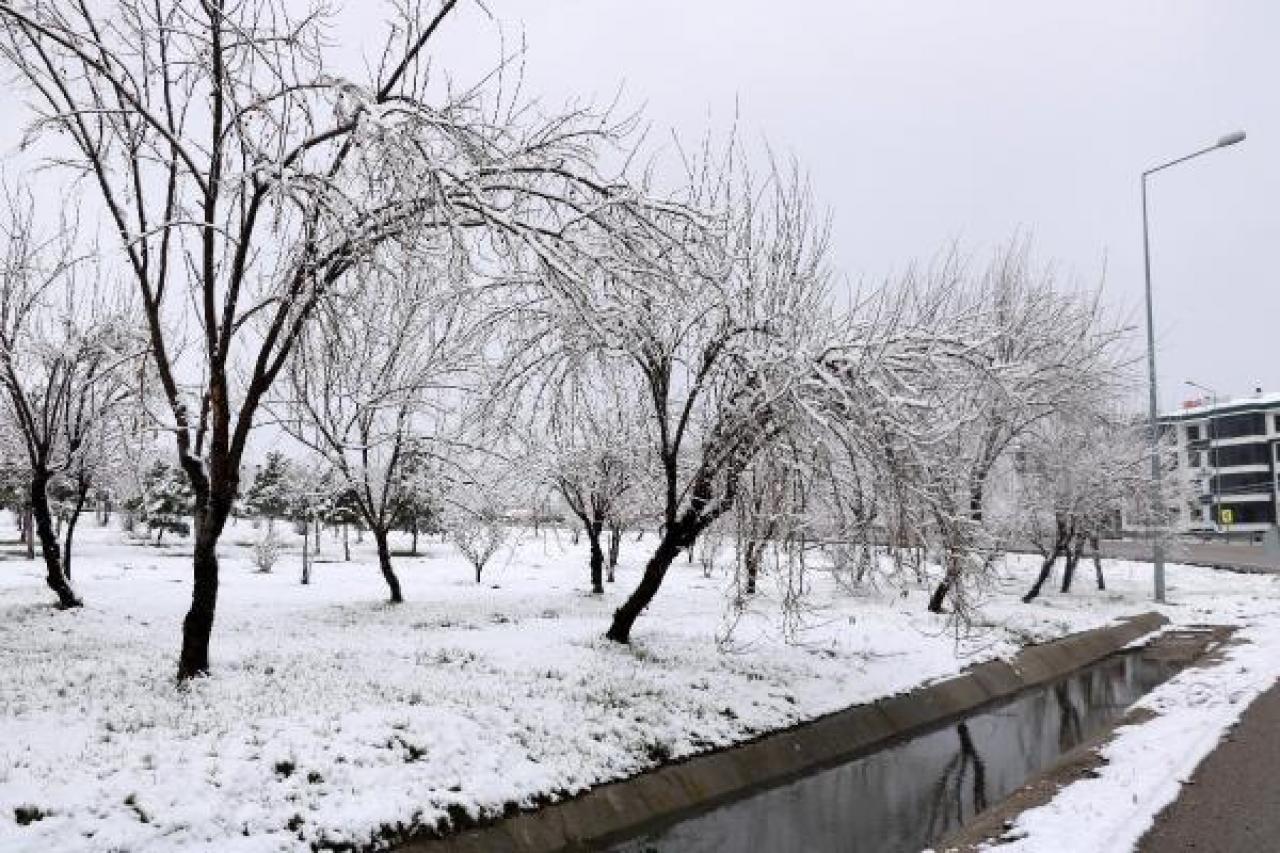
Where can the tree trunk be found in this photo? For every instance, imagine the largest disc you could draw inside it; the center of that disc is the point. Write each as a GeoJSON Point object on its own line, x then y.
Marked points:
{"type": "Point", "coordinates": [751, 561]}
{"type": "Point", "coordinates": [346, 542]}
{"type": "Point", "coordinates": [315, 530]}
{"type": "Point", "coordinates": [976, 499]}
{"type": "Point", "coordinates": [55, 577]}
{"type": "Point", "coordinates": [1045, 568]}
{"type": "Point", "coordinates": [939, 596]}
{"type": "Point", "coordinates": [1097, 563]}
{"type": "Point", "coordinates": [1069, 572]}
{"type": "Point", "coordinates": [384, 563]}
{"type": "Point", "coordinates": [210, 519]}
{"type": "Point", "coordinates": [673, 539]}
{"type": "Point", "coordinates": [594, 530]}
{"type": "Point", "coordinates": [306, 560]}
{"type": "Point", "coordinates": [415, 537]}
{"type": "Point", "coordinates": [615, 545]}
{"type": "Point", "coordinates": [81, 495]}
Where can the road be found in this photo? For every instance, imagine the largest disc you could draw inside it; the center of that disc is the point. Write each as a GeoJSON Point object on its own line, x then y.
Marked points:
{"type": "Point", "coordinates": [1232, 803]}
{"type": "Point", "coordinates": [1242, 557]}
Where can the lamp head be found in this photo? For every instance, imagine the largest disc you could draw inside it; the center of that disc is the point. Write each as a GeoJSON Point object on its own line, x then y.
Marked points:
{"type": "Point", "coordinates": [1231, 139]}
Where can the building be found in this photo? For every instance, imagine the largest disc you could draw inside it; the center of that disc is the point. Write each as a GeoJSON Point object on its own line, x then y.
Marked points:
{"type": "Point", "coordinates": [1227, 459]}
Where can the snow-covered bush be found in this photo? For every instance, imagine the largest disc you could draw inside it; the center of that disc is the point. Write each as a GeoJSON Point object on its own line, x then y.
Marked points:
{"type": "Point", "coordinates": [266, 551]}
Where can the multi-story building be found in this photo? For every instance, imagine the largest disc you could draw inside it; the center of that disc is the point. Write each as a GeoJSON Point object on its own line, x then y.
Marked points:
{"type": "Point", "coordinates": [1227, 458]}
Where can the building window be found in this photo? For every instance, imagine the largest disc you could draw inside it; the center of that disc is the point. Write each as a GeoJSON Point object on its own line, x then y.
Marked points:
{"type": "Point", "coordinates": [1236, 426]}
{"type": "Point", "coordinates": [1193, 432]}
{"type": "Point", "coordinates": [1197, 513]}
{"type": "Point", "coordinates": [1193, 458]}
{"type": "Point", "coordinates": [1247, 483]}
{"type": "Point", "coordinates": [1241, 454]}
{"type": "Point", "coordinates": [1263, 512]}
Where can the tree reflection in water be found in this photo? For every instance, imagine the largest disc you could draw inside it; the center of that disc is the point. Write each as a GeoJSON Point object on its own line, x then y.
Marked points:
{"type": "Point", "coordinates": [914, 793]}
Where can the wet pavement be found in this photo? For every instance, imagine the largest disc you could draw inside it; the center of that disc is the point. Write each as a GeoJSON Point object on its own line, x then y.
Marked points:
{"type": "Point", "coordinates": [1227, 555]}
{"type": "Point", "coordinates": [1232, 802]}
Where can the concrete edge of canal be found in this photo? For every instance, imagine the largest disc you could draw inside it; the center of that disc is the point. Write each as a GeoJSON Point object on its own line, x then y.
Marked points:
{"type": "Point", "coordinates": [616, 811]}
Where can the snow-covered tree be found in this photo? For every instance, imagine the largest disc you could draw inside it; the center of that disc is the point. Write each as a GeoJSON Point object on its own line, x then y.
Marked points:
{"type": "Point", "coordinates": [1037, 347]}
{"type": "Point", "coordinates": [717, 315]}
{"type": "Point", "coordinates": [271, 492]}
{"type": "Point", "coordinates": [417, 506]}
{"type": "Point", "coordinates": [374, 381]}
{"type": "Point", "coordinates": [588, 443]}
{"type": "Point", "coordinates": [167, 501]}
{"type": "Point", "coordinates": [67, 358]}
{"type": "Point", "coordinates": [1076, 474]}
{"type": "Point", "coordinates": [475, 520]}
{"type": "Point", "coordinates": [246, 178]}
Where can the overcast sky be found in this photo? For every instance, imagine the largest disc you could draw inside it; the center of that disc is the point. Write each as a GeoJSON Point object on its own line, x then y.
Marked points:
{"type": "Point", "coordinates": [924, 123]}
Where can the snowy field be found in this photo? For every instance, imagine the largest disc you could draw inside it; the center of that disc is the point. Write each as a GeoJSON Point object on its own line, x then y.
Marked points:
{"type": "Point", "coordinates": [336, 721]}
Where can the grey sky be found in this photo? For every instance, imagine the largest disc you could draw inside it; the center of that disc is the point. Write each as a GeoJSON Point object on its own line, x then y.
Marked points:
{"type": "Point", "coordinates": [927, 122]}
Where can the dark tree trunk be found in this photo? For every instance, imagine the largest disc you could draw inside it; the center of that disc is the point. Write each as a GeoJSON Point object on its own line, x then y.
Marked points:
{"type": "Point", "coordinates": [939, 596]}
{"type": "Point", "coordinates": [346, 542]}
{"type": "Point", "coordinates": [594, 531]}
{"type": "Point", "coordinates": [674, 538]}
{"type": "Point", "coordinates": [315, 530]}
{"type": "Point", "coordinates": [384, 563]}
{"type": "Point", "coordinates": [1097, 563]}
{"type": "Point", "coordinates": [615, 545]}
{"type": "Point", "coordinates": [1045, 568]}
{"type": "Point", "coordinates": [210, 518]}
{"type": "Point", "coordinates": [82, 494]}
{"type": "Point", "coordinates": [751, 560]}
{"type": "Point", "coordinates": [415, 537]}
{"type": "Point", "coordinates": [29, 528]}
{"type": "Point", "coordinates": [55, 577]}
{"type": "Point", "coordinates": [1073, 559]}
{"type": "Point", "coordinates": [306, 560]}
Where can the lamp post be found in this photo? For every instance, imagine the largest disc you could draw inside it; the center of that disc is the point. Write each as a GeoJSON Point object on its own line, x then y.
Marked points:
{"type": "Point", "coordinates": [1157, 492]}
{"type": "Point", "coordinates": [1211, 435]}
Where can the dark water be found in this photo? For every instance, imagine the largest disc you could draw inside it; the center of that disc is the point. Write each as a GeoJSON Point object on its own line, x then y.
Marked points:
{"type": "Point", "coordinates": [908, 796]}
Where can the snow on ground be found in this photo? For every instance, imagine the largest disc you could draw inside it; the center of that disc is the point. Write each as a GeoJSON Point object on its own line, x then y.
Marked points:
{"type": "Point", "coordinates": [335, 719]}
{"type": "Point", "coordinates": [1147, 763]}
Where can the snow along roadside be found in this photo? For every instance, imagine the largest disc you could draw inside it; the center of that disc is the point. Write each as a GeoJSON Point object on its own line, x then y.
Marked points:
{"type": "Point", "coordinates": [1146, 764]}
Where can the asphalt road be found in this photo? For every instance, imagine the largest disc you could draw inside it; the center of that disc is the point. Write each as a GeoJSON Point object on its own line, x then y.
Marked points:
{"type": "Point", "coordinates": [1243, 557]}
{"type": "Point", "coordinates": [1232, 803]}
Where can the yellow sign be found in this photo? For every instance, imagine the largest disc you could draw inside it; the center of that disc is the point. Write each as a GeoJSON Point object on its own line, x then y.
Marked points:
{"type": "Point", "coordinates": [1226, 516]}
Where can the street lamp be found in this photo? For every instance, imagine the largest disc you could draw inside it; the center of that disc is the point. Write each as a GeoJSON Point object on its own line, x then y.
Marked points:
{"type": "Point", "coordinates": [1210, 436]}
{"type": "Point", "coordinates": [1157, 493]}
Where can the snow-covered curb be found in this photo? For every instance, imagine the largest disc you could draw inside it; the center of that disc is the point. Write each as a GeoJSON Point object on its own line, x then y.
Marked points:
{"type": "Point", "coordinates": [1146, 764]}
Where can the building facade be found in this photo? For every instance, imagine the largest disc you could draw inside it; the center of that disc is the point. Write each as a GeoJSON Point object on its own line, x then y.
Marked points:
{"type": "Point", "coordinates": [1228, 454]}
